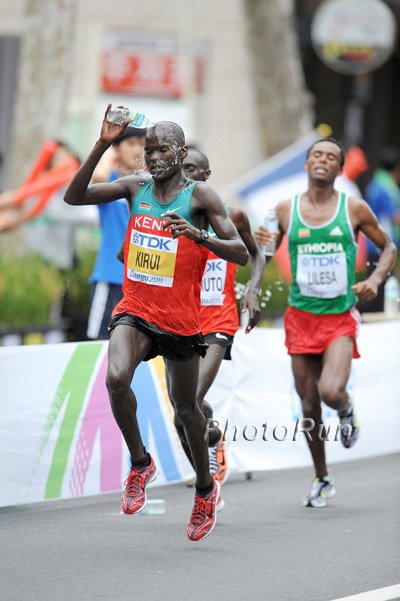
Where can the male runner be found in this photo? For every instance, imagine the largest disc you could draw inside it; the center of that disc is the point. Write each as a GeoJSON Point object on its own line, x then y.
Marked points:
{"type": "Point", "coordinates": [219, 320]}
{"type": "Point", "coordinates": [169, 218]}
{"type": "Point", "coordinates": [321, 321]}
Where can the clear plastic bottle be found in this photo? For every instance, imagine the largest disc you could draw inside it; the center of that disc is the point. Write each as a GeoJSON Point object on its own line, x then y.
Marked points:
{"type": "Point", "coordinates": [271, 223]}
{"type": "Point", "coordinates": [154, 507]}
{"type": "Point", "coordinates": [118, 115]}
{"type": "Point", "coordinates": [391, 302]}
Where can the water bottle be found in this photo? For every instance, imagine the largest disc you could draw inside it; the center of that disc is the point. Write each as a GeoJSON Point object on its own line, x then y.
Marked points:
{"type": "Point", "coordinates": [271, 223]}
{"type": "Point", "coordinates": [391, 296]}
{"type": "Point", "coordinates": [118, 115]}
{"type": "Point", "coordinates": [154, 507]}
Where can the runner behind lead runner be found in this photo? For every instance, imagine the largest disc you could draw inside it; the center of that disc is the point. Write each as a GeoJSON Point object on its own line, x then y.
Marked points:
{"type": "Point", "coordinates": [158, 314]}
{"type": "Point", "coordinates": [321, 322]}
{"type": "Point", "coordinates": [219, 320]}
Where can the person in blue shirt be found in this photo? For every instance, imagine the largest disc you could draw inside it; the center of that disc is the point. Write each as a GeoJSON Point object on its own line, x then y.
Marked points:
{"type": "Point", "coordinates": [108, 273]}
{"type": "Point", "coordinates": [383, 196]}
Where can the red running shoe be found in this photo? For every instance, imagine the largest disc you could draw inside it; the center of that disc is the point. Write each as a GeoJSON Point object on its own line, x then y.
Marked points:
{"type": "Point", "coordinates": [204, 514]}
{"type": "Point", "coordinates": [134, 498]}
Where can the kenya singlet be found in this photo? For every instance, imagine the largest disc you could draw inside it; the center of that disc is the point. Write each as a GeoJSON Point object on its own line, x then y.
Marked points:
{"type": "Point", "coordinates": [218, 310]}
{"type": "Point", "coordinates": [323, 260]}
{"type": "Point", "coordinates": [159, 271]}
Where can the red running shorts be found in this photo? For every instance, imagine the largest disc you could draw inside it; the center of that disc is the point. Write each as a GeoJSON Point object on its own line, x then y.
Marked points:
{"type": "Point", "coordinates": [308, 333]}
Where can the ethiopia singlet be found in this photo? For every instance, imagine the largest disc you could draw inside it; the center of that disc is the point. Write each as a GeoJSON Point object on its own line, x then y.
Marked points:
{"type": "Point", "coordinates": [323, 260]}
{"type": "Point", "coordinates": [160, 272]}
{"type": "Point", "coordinates": [218, 310]}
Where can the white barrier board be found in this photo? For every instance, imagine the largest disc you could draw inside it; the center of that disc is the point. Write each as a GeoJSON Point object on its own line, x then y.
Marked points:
{"type": "Point", "coordinates": [58, 438]}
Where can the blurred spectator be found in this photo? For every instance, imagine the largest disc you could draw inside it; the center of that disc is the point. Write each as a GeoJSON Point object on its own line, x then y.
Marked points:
{"type": "Point", "coordinates": [54, 167]}
{"type": "Point", "coordinates": [383, 196]}
{"type": "Point", "coordinates": [108, 274]}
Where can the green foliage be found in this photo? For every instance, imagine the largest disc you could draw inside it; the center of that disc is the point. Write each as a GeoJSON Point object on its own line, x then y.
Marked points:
{"type": "Point", "coordinates": [77, 288]}
{"type": "Point", "coordinates": [274, 289]}
{"type": "Point", "coordinates": [29, 287]}
{"type": "Point", "coordinates": [31, 290]}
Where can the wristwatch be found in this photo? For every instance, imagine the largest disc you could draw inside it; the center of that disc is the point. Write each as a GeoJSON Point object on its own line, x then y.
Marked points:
{"type": "Point", "coordinates": [204, 236]}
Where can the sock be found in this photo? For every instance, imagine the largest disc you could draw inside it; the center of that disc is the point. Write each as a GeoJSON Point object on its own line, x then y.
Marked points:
{"type": "Point", "coordinates": [203, 492]}
{"type": "Point", "coordinates": [145, 462]}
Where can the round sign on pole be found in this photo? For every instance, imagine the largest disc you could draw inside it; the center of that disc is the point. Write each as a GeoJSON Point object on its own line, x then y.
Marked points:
{"type": "Point", "coordinates": [353, 36]}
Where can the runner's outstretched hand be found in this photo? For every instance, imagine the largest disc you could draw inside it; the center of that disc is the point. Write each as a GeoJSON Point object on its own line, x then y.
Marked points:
{"type": "Point", "coordinates": [250, 303]}
{"type": "Point", "coordinates": [111, 131]}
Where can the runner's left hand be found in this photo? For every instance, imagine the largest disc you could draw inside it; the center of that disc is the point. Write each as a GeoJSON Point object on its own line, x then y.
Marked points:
{"type": "Point", "coordinates": [263, 235]}
{"type": "Point", "coordinates": [250, 303]}
{"type": "Point", "coordinates": [366, 290]}
{"type": "Point", "coordinates": [180, 227]}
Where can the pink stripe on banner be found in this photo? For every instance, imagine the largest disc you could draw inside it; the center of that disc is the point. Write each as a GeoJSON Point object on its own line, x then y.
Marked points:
{"type": "Point", "coordinates": [98, 419]}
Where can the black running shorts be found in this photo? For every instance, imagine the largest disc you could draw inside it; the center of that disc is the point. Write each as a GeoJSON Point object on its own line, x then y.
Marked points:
{"type": "Point", "coordinates": [222, 339]}
{"type": "Point", "coordinates": [168, 345]}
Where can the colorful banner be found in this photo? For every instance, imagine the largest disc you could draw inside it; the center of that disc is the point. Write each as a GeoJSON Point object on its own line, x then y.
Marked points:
{"type": "Point", "coordinates": [58, 437]}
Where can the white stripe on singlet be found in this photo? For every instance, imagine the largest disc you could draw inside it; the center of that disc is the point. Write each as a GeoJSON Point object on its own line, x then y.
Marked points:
{"type": "Point", "coordinates": [97, 309]}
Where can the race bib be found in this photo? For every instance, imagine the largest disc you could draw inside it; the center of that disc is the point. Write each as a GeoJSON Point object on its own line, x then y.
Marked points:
{"type": "Point", "coordinates": [213, 283]}
{"type": "Point", "coordinates": [151, 259]}
{"type": "Point", "coordinates": [322, 275]}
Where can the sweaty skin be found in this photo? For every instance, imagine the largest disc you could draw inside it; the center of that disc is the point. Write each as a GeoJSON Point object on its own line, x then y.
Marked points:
{"type": "Point", "coordinates": [164, 152]}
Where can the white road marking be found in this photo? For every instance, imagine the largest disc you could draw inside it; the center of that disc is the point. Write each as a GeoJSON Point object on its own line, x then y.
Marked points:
{"type": "Point", "coordinates": [380, 594]}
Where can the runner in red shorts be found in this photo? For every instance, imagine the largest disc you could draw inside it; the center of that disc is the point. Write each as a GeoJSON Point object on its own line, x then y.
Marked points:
{"type": "Point", "coordinates": [158, 314]}
{"type": "Point", "coordinates": [321, 321]}
{"type": "Point", "coordinates": [219, 320]}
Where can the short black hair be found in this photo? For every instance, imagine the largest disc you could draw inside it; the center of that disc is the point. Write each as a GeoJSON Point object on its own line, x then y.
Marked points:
{"type": "Point", "coordinates": [172, 130]}
{"type": "Point", "coordinates": [333, 141]}
{"type": "Point", "coordinates": [389, 158]}
{"type": "Point", "coordinates": [203, 158]}
{"type": "Point", "coordinates": [130, 132]}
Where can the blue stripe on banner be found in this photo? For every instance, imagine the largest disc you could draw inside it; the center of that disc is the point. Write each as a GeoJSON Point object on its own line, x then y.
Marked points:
{"type": "Point", "coordinates": [149, 415]}
{"type": "Point", "coordinates": [290, 167]}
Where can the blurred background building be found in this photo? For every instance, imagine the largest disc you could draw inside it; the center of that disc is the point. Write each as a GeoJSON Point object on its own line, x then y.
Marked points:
{"type": "Point", "coordinates": [241, 77]}
{"type": "Point", "coordinates": [245, 78]}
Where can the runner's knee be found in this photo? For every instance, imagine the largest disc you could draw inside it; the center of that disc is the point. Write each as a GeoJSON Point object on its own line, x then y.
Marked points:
{"type": "Point", "coordinates": [331, 393]}
{"type": "Point", "coordinates": [185, 414]}
{"type": "Point", "coordinates": [118, 380]}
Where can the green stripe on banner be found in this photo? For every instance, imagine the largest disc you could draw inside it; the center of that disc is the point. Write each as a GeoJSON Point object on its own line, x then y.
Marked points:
{"type": "Point", "coordinates": [71, 390]}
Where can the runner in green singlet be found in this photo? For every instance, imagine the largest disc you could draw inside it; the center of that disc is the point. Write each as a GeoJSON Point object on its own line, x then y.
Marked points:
{"type": "Point", "coordinates": [321, 321]}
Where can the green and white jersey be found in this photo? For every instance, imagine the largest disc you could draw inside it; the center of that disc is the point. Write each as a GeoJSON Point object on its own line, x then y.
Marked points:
{"type": "Point", "coordinates": [323, 259]}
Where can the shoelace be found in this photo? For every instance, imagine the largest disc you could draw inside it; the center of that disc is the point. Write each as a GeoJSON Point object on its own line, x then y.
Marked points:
{"type": "Point", "coordinates": [199, 510]}
{"type": "Point", "coordinates": [132, 483]}
{"type": "Point", "coordinates": [318, 486]}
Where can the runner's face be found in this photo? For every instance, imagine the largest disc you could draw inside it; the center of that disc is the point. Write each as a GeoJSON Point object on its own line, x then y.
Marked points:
{"type": "Point", "coordinates": [193, 167]}
{"type": "Point", "coordinates": [323, 163]}
{"type": "Point", "coordinates": [130, 154]}
{"type": "Point", "coordinates": [162, 155]}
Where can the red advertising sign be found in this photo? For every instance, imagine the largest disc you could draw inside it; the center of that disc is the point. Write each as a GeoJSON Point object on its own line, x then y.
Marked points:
{"type": "Point", "coordinates": [144, 65]}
